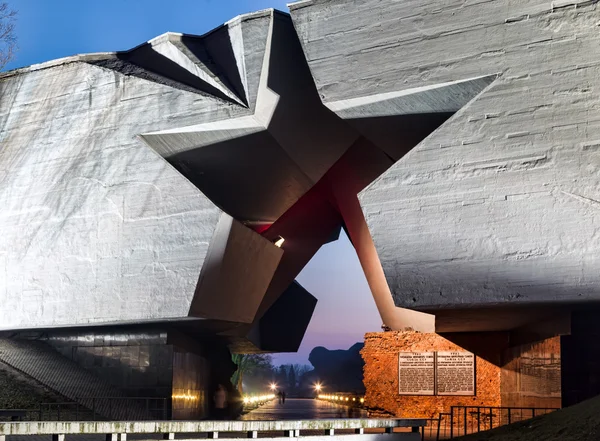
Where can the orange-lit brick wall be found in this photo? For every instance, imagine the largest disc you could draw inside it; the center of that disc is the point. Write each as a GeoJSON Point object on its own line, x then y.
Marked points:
{"type": "Point", "coordinates": [381, 372]}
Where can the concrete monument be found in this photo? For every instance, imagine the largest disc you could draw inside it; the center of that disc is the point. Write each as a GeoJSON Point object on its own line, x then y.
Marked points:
{"type": "Point", "coordinates": [168, 196]}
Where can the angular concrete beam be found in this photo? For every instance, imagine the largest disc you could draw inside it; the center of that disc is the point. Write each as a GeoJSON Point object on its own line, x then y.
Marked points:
{"type": "Point", "coordinates": [236, 273]}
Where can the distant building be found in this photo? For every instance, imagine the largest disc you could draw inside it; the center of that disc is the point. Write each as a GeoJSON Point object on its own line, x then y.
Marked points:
{"type": "Point", "coordinates": [158, 203]}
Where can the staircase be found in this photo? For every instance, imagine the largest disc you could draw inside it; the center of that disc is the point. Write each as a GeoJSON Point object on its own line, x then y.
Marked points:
{"type": "Point", "coordinates": [62, 375]}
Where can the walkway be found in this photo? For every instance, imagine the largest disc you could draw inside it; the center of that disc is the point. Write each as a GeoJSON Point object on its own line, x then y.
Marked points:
{"type": "Point", "coordinates": [301, 409]}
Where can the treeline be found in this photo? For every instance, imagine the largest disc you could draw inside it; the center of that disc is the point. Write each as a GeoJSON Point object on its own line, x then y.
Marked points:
{"type": "Point", "coordinates": [257, 374]}
{"type": "Point", "coordinates": [337, 371]}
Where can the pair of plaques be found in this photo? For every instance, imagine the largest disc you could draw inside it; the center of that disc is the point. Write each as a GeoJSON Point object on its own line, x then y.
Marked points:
{"type": "Point", "coordinates": [436, 373]}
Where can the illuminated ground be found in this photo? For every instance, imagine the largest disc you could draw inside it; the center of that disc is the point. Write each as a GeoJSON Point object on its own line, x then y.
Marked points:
{"type": "Point", "coordinates": [300, 409]}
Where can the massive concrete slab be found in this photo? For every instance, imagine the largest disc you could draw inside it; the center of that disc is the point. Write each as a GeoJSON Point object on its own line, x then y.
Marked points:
{"type": "Point", "coordinates": [497, 206]}
{"type": "Point", "coordinates": [97, 228]}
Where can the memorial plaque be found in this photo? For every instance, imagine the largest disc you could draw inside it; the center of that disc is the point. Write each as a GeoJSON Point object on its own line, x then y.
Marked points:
{"type": "Point", "coordinates": [539, 375]}
{"type": "Point", "coordinates": [416, 373]}
{"type": "Point", "coordinates": [455, 373]}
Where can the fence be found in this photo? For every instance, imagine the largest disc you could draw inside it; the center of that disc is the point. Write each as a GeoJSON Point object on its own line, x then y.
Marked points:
{"type": "Point", "coordinates": [98, 409]}
{"type": "Point", "coordinates": [464, 420]}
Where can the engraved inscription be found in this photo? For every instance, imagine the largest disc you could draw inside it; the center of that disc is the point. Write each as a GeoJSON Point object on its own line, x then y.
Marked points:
{"type": "Point", "coordinates": [455, 373]}
{"type": "Point", "coordinates": [540, 375]}
{"type": "Point", "coordinates": [416, 373]}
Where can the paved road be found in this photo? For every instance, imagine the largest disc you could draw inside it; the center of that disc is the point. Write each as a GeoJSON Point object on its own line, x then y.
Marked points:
{"type": "Point", "coordinates": [301, 409]}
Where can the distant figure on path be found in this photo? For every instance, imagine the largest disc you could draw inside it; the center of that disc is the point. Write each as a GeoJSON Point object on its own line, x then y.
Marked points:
{"type": "Point", "coordinates": [220, 410]}
{"type": "Point", "coordinates": [282, 397]}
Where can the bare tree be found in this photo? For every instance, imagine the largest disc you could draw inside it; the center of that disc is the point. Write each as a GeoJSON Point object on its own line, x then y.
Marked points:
{"type": "Point", "coordinates": [8, 40]}
{"type": "Point", "coordinates": [249, 364]}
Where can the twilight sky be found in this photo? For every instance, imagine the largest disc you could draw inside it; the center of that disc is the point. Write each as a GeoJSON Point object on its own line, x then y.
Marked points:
{"type": "Point", "coordinates": [54, 29]}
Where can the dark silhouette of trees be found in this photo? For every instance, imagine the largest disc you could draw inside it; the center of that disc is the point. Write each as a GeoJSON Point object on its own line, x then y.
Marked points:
{"type": "Point", "coordinates": [8, 40]}
{"type": "Point", "coordinates": [335, 370]}
{"type": "Point", "coordinates": [257, 365]}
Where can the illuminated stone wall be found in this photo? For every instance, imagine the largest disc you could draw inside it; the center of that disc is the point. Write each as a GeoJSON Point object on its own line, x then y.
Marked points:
{"type": "Point", "coordinates": [381, 373]}
{"type": "Point", "coordinates": [507, 374]}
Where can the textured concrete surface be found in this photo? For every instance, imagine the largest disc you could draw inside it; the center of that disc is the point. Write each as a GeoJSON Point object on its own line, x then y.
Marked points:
{"type": "Point", "coordinates": [187, 427]}
{"type": "Point", "coordinates": [106, 227]}
{"type": "Point", "coordinates": [499, 205]}
{"type": "Point", "coordinates": [496, 206]}
{"type": "Point", "coordinates": [96, 227]}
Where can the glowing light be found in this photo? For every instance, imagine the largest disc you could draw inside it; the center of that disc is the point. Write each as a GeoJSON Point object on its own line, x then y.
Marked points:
{"type": "Point", "coordinates": [185, 397]}
{"type": "Point", "coordinates": [273, 386]}
{"type": "Point", "coordinates": [258, 399]}
{"type": "Point", "coordinates": [318, 387]}
{"type": "Point", "coordinates": [362, 400]}
{"type": "Point", "coordinates": [279, 241]}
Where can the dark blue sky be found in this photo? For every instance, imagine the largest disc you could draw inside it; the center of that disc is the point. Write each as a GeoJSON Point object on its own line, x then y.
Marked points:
{"type": "Point", "coordinates": [49, 29]}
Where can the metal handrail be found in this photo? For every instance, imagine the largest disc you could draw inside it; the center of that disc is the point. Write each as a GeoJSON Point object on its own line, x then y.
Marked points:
{"type": "Point", "coordinates": [489, 417]}
{"type": "Point", "coordinates": [150, 408]}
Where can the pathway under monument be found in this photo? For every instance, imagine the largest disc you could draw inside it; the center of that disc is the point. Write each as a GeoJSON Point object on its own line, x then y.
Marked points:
{"type": "Point", "coordinates": [302, 409]}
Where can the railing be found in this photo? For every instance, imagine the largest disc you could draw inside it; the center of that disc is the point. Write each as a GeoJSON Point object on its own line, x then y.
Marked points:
{"type": "Point", "coordinates": [404, 429]}
{"type": "Point", "coordinates": [465, 420]}
{"type": "Point", "coordinates": [97, 409]}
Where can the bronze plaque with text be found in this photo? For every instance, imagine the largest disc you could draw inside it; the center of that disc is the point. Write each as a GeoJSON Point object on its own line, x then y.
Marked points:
{"type": "Point", "coordinates": [416, 373]}
{"type": "Point", "coordinates": [455, 373]}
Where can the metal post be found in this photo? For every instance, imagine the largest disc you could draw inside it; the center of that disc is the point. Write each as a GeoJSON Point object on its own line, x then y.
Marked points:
{"type": "Point", "coordinates": [491, 418]}
{"type": "Point", "coordinates": [533, 412]}
{"type": "Point", "coordinates": [478, 420]}
{"type": "Point", "coordinates": [465, 420]}
{"type": "Point", "coordinates": [94, 409]}
{"type": "Point", "coordinates": [451, 422]}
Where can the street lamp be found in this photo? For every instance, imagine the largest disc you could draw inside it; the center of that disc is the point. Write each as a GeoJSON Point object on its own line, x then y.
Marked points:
{"type": "Point", "coordinates": [273, 387]}
{"type": "Point", "coordinates": [318, 387]}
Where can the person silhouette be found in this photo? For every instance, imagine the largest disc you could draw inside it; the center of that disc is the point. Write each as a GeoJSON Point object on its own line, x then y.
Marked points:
{"type": "Point", "coordinates": [220, 410]}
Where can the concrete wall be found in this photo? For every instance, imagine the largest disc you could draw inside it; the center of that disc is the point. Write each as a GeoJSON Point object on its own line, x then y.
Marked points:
{"type": "Point", "coordinates": [95, 226]}
{"type": "Point", "coordinates": [139, 363]}
{"type": "Point", "coordinates": [500, 203]}
{"type": "Point", "coordinates": [191, 386]}
{"type": "Point", "coordinates": [531, 375]}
